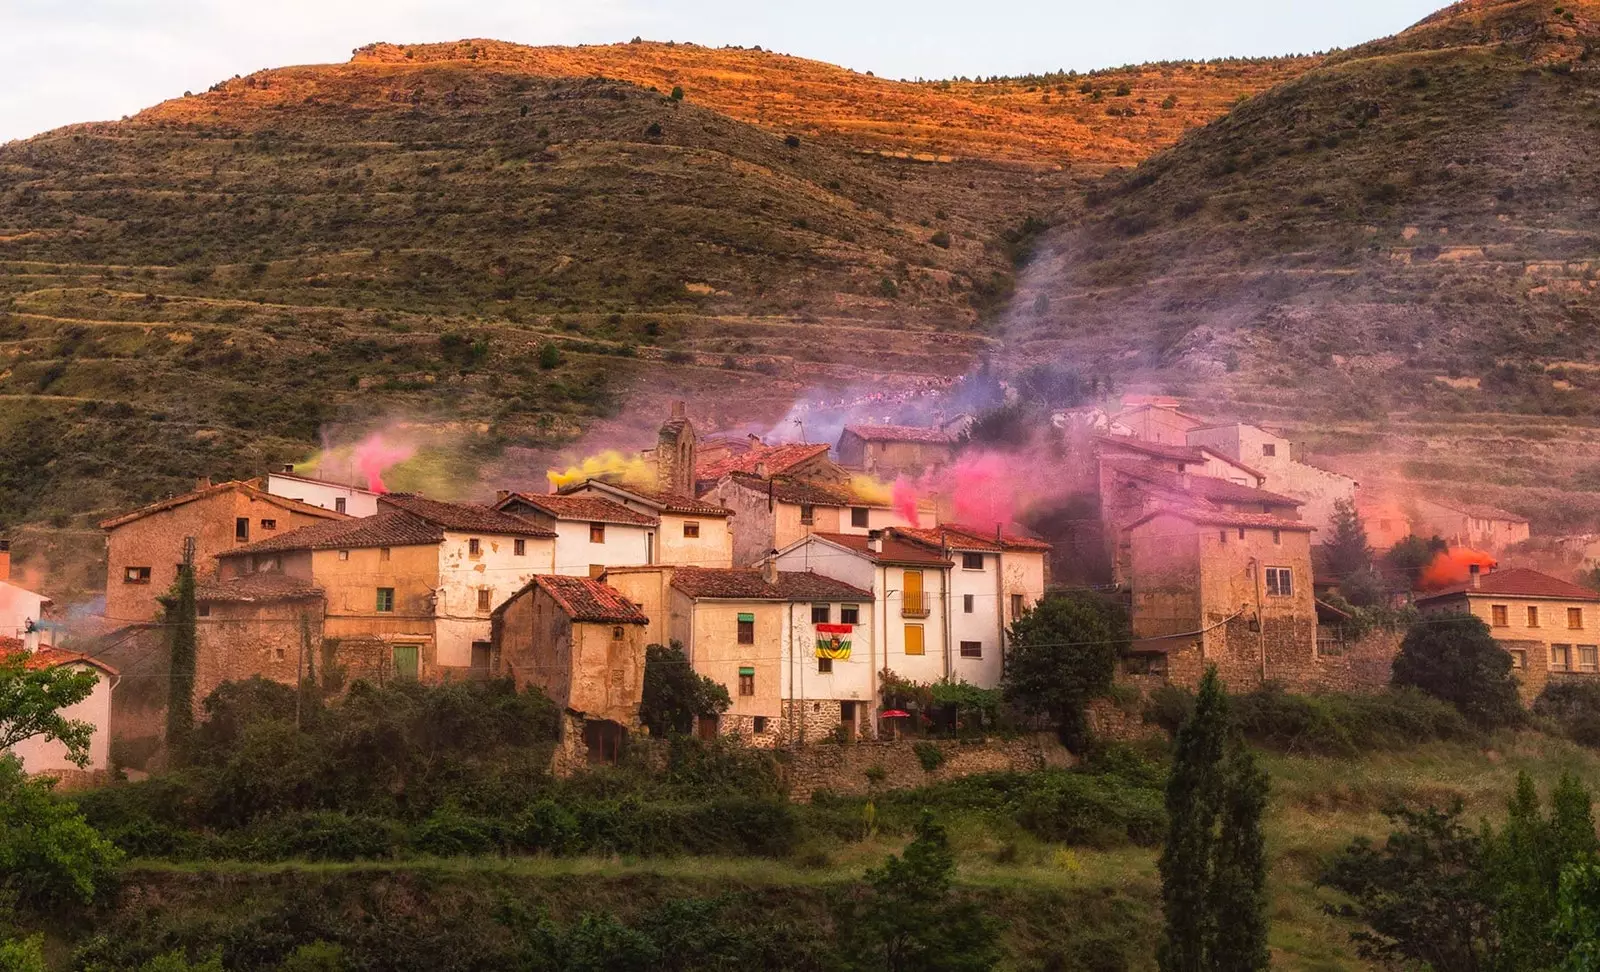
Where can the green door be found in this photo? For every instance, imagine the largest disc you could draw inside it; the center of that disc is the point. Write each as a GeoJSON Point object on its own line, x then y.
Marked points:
{"type": "Point", "coordinates": [405, 661]}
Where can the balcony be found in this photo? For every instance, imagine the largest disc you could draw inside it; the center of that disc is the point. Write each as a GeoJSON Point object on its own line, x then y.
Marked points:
{"type": "Point", "coordinates": [914, 605]}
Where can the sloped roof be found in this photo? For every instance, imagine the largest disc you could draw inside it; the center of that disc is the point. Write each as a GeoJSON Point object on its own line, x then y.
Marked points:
{"type": "Point", "coordinates": [1163, 408]}
{"type": "Point", "coordinates": [47, 658]}
{"type": "Point", "coordinates": [592, 509]}
{"type": "Point", "coordinates": [1517, 582]}
{"type": "Point", "coordinates": [895, 550]}
{"type": "Point", "coordinates": [18, 587]}
{"type": "Point", "coordinates": [749, 584]}
{"type": "Point", "coordinates": [1224, 457]}
{"type": "Point", "coordinates": [252, 491]}
{"type": "Point", "coordinates": [777, 459]}
{"type": "Point", "coordinates": [1157, 449]}
{"type": "Point", "coordinates": [258, 587]}
{"type": "Point", "coordinates": [900, 433]}
{"type": "Point", "coordinates": [586, 600]}
{"type": "Point", "coordinates": [1224, 518]}
{"type": "Point", "coordinates": [663, 500]}
{"type": "Point", "coordinates": [1478, 510]}
{"type": "Point", "coordinates": [1208, 488]}
{"type": "Point", "coordinates": [386, 528]}
{"type": "Point", "coordinates": [958, 537]}
{"type": "Point", "coordinates": [785, 489]}
{"type": "Point", "coordinates": [463, 517]}
{"type": "Point", "coordinates": [318, 481]}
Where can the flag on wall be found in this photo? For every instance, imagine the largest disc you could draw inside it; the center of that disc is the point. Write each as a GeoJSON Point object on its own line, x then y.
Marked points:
{"type": "Point", "coordinates": [833, 641]}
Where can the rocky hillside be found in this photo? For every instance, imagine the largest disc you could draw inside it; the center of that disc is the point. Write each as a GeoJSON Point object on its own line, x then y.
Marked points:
{"type": "Point", "coordinates": [1397, 254]}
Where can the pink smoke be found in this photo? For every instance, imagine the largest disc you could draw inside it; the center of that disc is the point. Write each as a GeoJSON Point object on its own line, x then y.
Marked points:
{"type": "Point", "coordinates": [374, 455]}
{"type": "Point", "coordinates": [904, 497]}
{"type": "Point", "coordinates": [984, 487]}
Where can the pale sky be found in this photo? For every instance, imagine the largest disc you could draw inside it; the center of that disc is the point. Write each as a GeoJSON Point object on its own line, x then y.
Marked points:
{"type": "Point", "coordinates": [65, 61]}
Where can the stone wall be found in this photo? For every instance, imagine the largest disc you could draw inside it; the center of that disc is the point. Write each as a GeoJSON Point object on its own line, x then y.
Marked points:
{"type": "Point", "coordinates": [843, 769]}
{"type": "Point", "coordinates": [1295, 658]}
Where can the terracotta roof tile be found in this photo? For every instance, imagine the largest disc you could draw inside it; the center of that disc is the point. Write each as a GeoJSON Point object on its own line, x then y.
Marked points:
{"type": "Point", "coordinates": [666, 502]}
{"type": "Point", "coordinates": [591, 601]}
{"type": "Point", "coordinates": [593, 509]}
{"type": "Point", "coordinates": [788, 490]}
{"type": "Point", "coordinates": [259, 587]}
{"type": "Point", "coordinates": [749, 584]}
{"type": "Point", "coordinates": [1518, 582]}
{"type": "Point", "coordinates": [895, 551]}
{"type": "Point", "coordinates": [386, 528]}
{"type": "Point", "coordinates": [777, 459]}
{"type": "Point", "coordinates": [1479, 511]}
{"type": "Point", "coordinates": [252, 491]}
{"type": "Point", "coordinates": [958, 537]}
{"type": "Point", "coordinates": [1225, 518]}
{"type": "Point", "coordinates": [463, 517]}
{"type": "Point", "coordinates": [1179, 453]}
{"type": "Point", "coordinates": [1209, 488]}
{"type": "Point", "coordinates": [46, 658]}
{"type": "Point", "coordinates": [900, 433]}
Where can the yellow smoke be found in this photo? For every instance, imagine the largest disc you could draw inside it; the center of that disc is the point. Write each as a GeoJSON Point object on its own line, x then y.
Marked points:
{"type": "Point", "coordinates": [872, 490]}
{"type": "Point", "coordinates": [606, 465]}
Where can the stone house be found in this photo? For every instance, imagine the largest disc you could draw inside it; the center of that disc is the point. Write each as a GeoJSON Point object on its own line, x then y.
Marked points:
{"type": "Point", "coordinates": [692, 532]}
{"type": "Point", "coordinates": [798, 461]}
{"type": "Point", "coordinates": [323, 493]}
{"type": "Point", "coordinates": [1282, 461]}
{"type": "Point", "coordinates": [772, 513]}
{"type": "Point", "coordinates": [581, 642]}
{"type": "Point", "coordinates": [887, 451]}
{"type": "Point", "coordinates": [1475, 525]}
{"type": "Point", "coordinates": [41, 756]}
{"type": "Point", "coordinates": [910, 586]}
{"type": "Point", "coordinates": [796, 650]}
{"type": "Point", "coordinates": [1551, 627]}
{"type": "Point", "coordinates": [1164, 424]}
{"type": "Point", "coordinates": [266, 624]}
{"type": "Point", "coordinates": [995, 577]}
{"type": "Point", "coordinates": [145, 547]}
{"type": "Point", "coordinates": [1223, 588]}
{"type": "Point", "coordinates": [21, 610]}
{"type": "Point", "coordinates": [591, 532]}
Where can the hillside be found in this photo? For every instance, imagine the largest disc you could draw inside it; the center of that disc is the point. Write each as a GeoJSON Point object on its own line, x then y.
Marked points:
{"type": "Point", "coordinates": [1395, 254]}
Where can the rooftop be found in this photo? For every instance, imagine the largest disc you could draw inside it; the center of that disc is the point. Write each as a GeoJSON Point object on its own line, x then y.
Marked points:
{"type": "Point", "coordinates": [749, 584]}
{"type": "Point", "coordinates": [257, 588]}
{"type": "Point", "coordinates": [586, 600]}
{"type": "Point", "coordinates": [1156, 449]}
{"type": "Point", "coordinates": [894, 550]}
{"type": "Point", "coordinates": [250, 489]}
{"type": "Point", "coordinates": [1479, 511]}
{"type": "Point", "coordinates": [1516, 582]}
{"type": "Point", "coordinates": [592, 509]}
{"type": "Point", "coordinates": [776, 459]}
{"type": "Point", "coordinates": [900, 433]}
{"type": "Point", "coordinates": [1209, 488]}
{"type": "Point", "coordinates": [463, 517]}
{"type": "Point", "coordinates": [386, 528]}
{"type": "Point", "coordinates": [663, 500]}
{"type": "Point", "coordinates": [958, 537]}
{"type": "Point", "coordinates": [785, 489]}
{"type": "Point", "coordinates": [1224, 518]}
{"type": "Point", "coordinates": [47, 658]}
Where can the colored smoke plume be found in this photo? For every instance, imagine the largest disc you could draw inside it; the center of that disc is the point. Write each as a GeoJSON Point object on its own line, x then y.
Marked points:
{"type": "Point", "coordinates": [871, 490]}
{"type": "Point", "coordinates": [1453, 567]}
{"type": "Point", "coordinates": [905, 501]}
{"type": "Point", "coordinates": [610, 464]}
{"type": "Point", "coordinates": [374, 455]}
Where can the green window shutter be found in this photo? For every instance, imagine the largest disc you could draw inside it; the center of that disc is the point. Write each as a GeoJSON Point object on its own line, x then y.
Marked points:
{"type": "Point", "coordinates": [746, 670]}
{"type": "Point", "coordinates": [747, 617]}
{"type": "Point", "coordinates": [405, 661]}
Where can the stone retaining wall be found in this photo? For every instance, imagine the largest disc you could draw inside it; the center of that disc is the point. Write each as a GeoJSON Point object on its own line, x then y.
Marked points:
{"type": "Point", "coordinates": [843, 769]}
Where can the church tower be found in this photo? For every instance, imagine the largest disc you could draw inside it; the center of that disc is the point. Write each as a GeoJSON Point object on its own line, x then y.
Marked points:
{"type": "Point", "coordinates": [675, 453]}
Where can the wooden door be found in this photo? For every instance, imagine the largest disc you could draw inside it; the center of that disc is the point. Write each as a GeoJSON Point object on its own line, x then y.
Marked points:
{"type": "Point", "coordinates": [406, 661]}
{"type": "Point", "coordinates": [911, 594]}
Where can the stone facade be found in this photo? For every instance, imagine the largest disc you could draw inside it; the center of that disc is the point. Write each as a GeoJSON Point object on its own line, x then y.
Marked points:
{"type": "Point", "coordinates": [274, 639]}
{"type": "Point", "coordinates": [1288, 653]}
{"type": "Point", "coordinates": [675, 453]}
{"type": "Point", "coordinates": [844, 769]}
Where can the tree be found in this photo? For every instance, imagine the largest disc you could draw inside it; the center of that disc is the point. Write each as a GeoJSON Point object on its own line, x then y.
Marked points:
{"type": "Point", "coordinates": [180, 619]}
{"type": "Point", "coordinates": [31, 701]}
{"type": "Point", "coordinates": [24, 955]}
{"type": "Point", "coordinates": [1578, 921]}
{"type": "Point", "coordinates": [1525, 861]}
{"type": "Point", "coordinates": [1346, 550]}
{"type": "Point", "coordinates": [677, 92]}
{"type": "Point", "coordinates": [1456, 659]}
{"type": "Point", "coordinates": [1412, 555]}
{"type": "Point", "coordinates": [1062, 653]}
{"type": "Point", "coordinates": [911, 921]}
{"type": "Point", "coordinates": [674, 694]}
{"type": "Point", "coordinates": [1213, 864]}
{"type": "Point", "coordinates": [549, 355]}
{"type": "Point", "coordinates": [49, 855]}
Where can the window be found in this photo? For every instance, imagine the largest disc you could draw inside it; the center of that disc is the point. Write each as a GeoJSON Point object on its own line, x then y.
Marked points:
{"type": "Point", "coordinates": [344, 555]}
{"type": "Point", "coordinates": [1561, 658]}
{"type": "Point", "coordinates": [912, 602]}
{"type": "Point", "coordinates": [474, 547]}
{"type": "Point", "coordinates": [278, 653]}
{"type": "Point", "coordinates": [1241, 533]}
{"type": "Point", "coordinates": [339, 505]}
{"type": "Point", "coordinates": [824, 666]}
{"type": "Point", "coordinates": [968, 601]}
{"type": "Point", "coordinates": [519, 547]}
{"type": "Point", "coordinates": [691, 530]}
{"type": "Point", "coordinates": [747, 629]}
{"type": "Point", "coordinates": [808, 514]}
{"type": "Point", "coordinates": [747, 681]}
{"type": "Point", "coordinates": [1533, 617]}
{"type": "Point", "coordinates": [1519, 659]}
{"type": "Point", "coordinates": [383, 553]}
{"type": "Point", "coordinates": [1588, 658]}
{"type": "Point", "coordinates": [972, 561]}
{"type": "Point", "coordinates": [1384, 525]}
{"type": "Point", "coordinates": [1497, 615]}
{"type": "Point", "coordinates": [241, 528]}
{"type": "Point", "coordinates": [618, 633]}
{"type": "Point", "coordinates": [758, 725]}
{"type": "Point", "coordinates": [1575, 619]}
{"type": "Point", "coordinates": [821, 613]}
{"type": "Point", "coordinates": [595, 570]}
{"type": "Point", "coordinates": [1280, 581]}
{"type": "Point", "coordinates": [914, 645]}
{"type": "Point", "coordinates": [136, 575]}
{"type": "Point", "coordinates": [385, 599]}
{"type": "Point", "coordinates": [1277, 536]}
{"type": "Point", "coordinates": [269, 524]}
{"type": "Point", "coordinates": [860, 516]}
{"type": "Point", "coordinates": [483, 599]}
{"type": "Point", "coordinates": [202, 610]}
{"type": "Point", "coordinates": [597, 533]}
{"type": "Point", "coordinates": [1017, 607]}
{"type": "Point", "coordinates": [1269, 449]}
{"type": "Point", "coordinates": [972, 649]}
{"type": "Point", "coordinates": [1222, 536]}
{"type": "Point", "coordinates": [849, 614]}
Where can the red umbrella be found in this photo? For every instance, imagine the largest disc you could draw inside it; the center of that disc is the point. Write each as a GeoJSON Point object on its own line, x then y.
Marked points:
{"type": "Point", "coordinates": [894, 714]}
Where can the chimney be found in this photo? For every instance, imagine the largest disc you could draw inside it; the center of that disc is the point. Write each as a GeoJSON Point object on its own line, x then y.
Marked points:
{"type": "Point", "coordinates": [875, 541]}
{"type": "Point", "coordinates": [288, 467]}
{"type": "Point", "coordinates": [501, 495]}
{"type": "Point", "coordinates": [769, 571]}
{"type": "Point", "coordinates": [762, 470]}
{"type": "Point", "coordinates": [679, 410]}
{"type": "Point", "coordinates": [1476, 574]}
{"type": "Point", "coordinates": [5, 560]}
{"type": "Point", "coordinates": [204, 482]}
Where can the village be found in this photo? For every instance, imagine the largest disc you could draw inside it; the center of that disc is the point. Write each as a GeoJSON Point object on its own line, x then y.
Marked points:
{"type": "Point", "coordinates": [798, 576]}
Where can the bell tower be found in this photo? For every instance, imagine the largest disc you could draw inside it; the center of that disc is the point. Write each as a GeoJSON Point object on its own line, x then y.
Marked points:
{"type": "Point", "coordinates": [675, 453]}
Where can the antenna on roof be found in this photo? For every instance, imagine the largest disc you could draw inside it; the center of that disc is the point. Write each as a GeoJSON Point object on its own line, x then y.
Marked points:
{"type": "Point", "coordinates": [802, 430]}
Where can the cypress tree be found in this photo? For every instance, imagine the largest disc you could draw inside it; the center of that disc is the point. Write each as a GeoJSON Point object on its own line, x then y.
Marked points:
{"type": "Point", "coordinates": [180, 616]}
{"type": "Point", "coordinates": [1213, 865]}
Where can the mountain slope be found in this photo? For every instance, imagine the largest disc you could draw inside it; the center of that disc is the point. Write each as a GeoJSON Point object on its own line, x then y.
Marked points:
{"type": "Point", "coordinates": [1407, 233]}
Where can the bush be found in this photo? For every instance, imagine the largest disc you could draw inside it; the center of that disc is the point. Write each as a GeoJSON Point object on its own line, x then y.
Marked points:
{"type": "Point", "coordinates": [49, 855]}
{"type": "Point", "coordinates": [929, 755]}
{"type": "Point", "coordinates": [1169, 707]}
{"type": "Point", "coordinates": [793, 141]}
{"type": "Point", "coordinates": [1456, 658]}
{"type": "Point", "coordinates": [450, 833]}
{"type": "Point", "coordinates": [1345, 725]}
{"type": "Point", "coordinates": [325, 835]}
{"type": "Point", "coordinates": [1574, 708]}
{"type": "Point", "coordinates": [940, 239]}
{"type": "Point", "coordinates": [1093, 811]}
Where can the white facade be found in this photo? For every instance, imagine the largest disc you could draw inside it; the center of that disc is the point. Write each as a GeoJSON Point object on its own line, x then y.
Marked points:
{"type": "Point", "coordinates": [461, 607]}
{"type": "Point", "coordinates": [882, 518]}
{"type": "Point", "coordinates": [579, 549]}
{"type": "Point", "coordinates": [1272, 456]}
{"type": "Point", "coordinates": [41, 755]}
{"type": "Point", "coordinates": [851, 680]}
{"type": "Point", "coordinates": [18, 606]}
{"type": "Point", "coordinates": [328, 496]}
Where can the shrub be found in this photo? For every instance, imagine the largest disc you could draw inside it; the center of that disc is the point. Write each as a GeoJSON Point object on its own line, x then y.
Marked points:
{"type": "Point", "coordinates": [1574, 707]}
{"type": "Point", "coordinates": [793, 141]}
{"type": "Point", "coordinates": [449, 833]}
{"type": "Point", "coordinates": [324, 835]}
{"type": "Point", "coordinates": [549, 355]}
{"type": "Point", "coordinates": [1093, 811]}
{"type": "Point", "coordinates": [677, 92]}
{"type": "Point", "coordinates": [1169, 707]}
{"type": "Point", "coordinates": [654, 131]}
{"type": "Point", "coordinates": [1344, 725]}
{"type": "Point", "coordinates": [940, 239]}
{"type": "Point", "coordinates": [1456, 658]}
{"type": "Point", "coordinates": [929, 755]}
{"type": "Point", "coordinates": [49, 855]}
